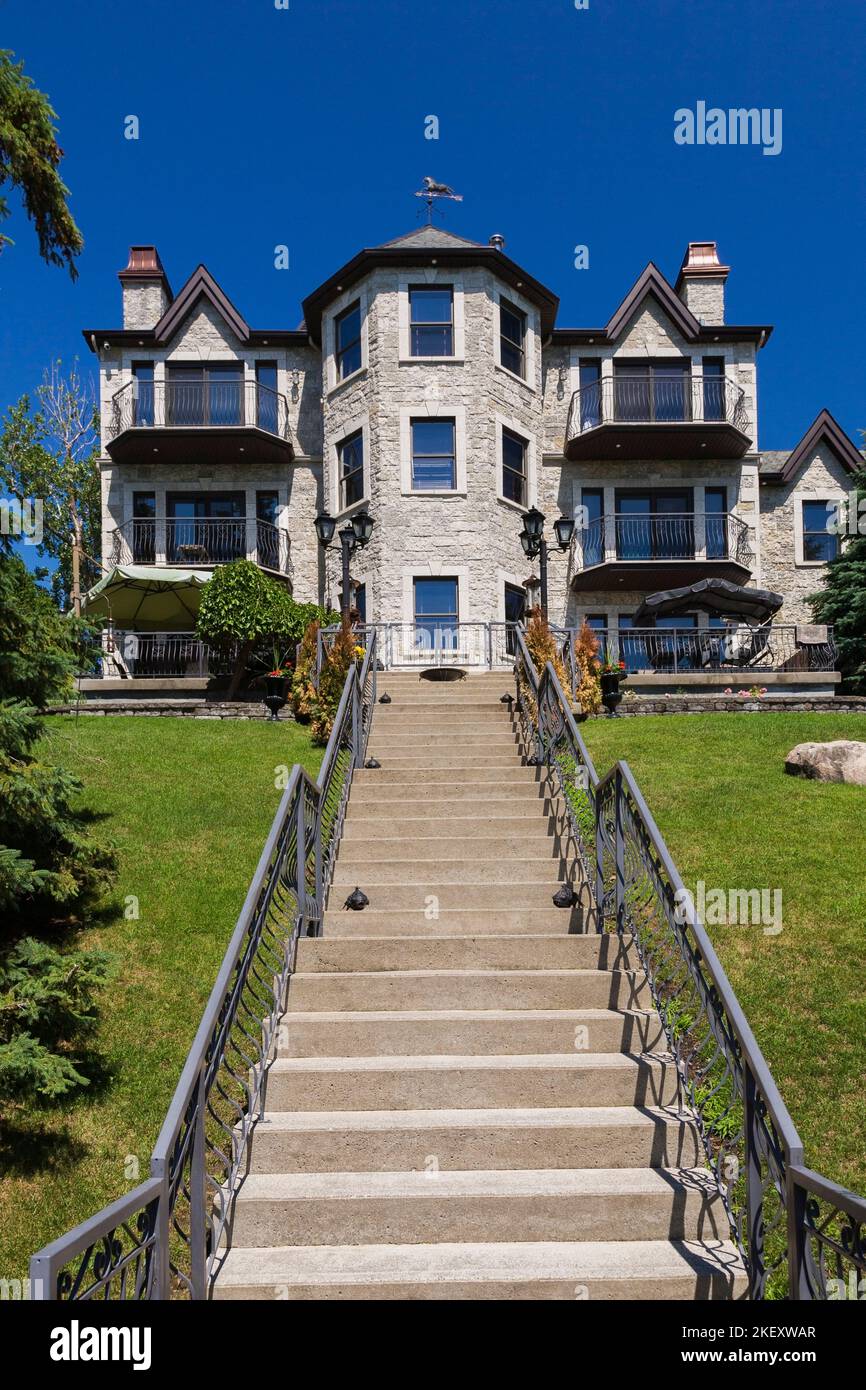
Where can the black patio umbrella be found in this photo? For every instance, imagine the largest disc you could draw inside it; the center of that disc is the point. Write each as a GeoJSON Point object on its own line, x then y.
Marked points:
{"type": "Point", "coordinates": [717, 596]}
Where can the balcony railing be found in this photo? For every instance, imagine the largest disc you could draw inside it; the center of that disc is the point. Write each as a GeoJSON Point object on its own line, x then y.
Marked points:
{"type": "Point", "coordinates": [657, 399]}
{"type": "Point", "coordinates": [192, 541]}
{"type": "Point", "coordinates": [666, 536]}
{"type": "Point", "coordinates": [739, 649]}
{"type": "Point", "coordinates": [198, 404]}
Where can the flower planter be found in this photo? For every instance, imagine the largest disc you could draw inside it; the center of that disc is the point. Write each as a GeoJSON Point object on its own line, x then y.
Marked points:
{"type": "Point", "coordinates": [275, 694]}
{"type": "Point", "coordinates": [611, 695]}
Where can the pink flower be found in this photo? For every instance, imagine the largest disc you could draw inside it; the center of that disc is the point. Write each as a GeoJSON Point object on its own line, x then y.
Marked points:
{"type": "Point", "coordinates": [729, 691]}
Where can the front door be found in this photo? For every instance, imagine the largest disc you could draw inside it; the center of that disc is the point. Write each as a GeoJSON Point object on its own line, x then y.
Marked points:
{"type": "Point", "coordinates": [436, 617]}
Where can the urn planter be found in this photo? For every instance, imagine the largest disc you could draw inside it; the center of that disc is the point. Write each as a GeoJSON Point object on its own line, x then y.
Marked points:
{"type": "Point", "coordinates": [611, 695]}
{"type": "Point", "coordinates": [275, 694]}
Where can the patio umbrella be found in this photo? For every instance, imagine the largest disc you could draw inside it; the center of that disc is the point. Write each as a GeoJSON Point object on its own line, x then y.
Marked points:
{"type": "Point", "coordinates": [717, 596]}
{"type": "Point", "coordinates": [132, 594]}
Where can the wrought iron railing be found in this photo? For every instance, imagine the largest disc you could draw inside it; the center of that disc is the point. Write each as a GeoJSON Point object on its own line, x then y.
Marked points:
{"type": "Point", "coordinates": [657, 398]}
{"type": "Point", "coordinates": [667, 536]}
{"type": "Point", "coordinates": [168, 1236]}
{"type": "Point", "coordinates": [799, 1235]}
{"type": "Point", "coordinates": [214, 404]}
{"type": "Point", "coordinates": [738, 650]}
{"type": "Point", "coordinates": [436, 642]}
{"type": "Point", "coordinates": [191, 541]}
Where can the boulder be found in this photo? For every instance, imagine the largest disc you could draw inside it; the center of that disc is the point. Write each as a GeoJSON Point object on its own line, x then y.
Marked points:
{"type": "Point", "coordinates": [842, 760]}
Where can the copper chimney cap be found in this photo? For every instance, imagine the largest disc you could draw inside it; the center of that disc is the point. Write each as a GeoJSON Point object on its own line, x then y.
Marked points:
{"type": "Point", "coordinates": [702, 258]}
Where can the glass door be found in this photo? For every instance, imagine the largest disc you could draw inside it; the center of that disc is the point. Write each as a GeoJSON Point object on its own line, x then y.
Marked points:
{"type": "Point", "coordinates": [436, 615]}
{"type": "Point", "coordinates": [204, 529]}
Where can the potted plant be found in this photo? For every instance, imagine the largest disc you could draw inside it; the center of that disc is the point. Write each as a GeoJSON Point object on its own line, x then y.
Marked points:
{"type": "Point", "coordinates": [276, 684]}
{"type": "Point", "coordinates": [610, 674]}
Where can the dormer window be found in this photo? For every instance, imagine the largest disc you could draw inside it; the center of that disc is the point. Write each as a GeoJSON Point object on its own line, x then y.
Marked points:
{"type": "Point", "coordinates": [431, 320]}
{"type": "Point", "coordinates": [347, 340]}
{"type": "Point", "coordinates": [512, 338]}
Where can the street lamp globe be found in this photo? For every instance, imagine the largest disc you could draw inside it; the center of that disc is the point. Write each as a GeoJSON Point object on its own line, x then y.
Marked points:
{"type": "Point", "coordinates": [564, 528]}
{"type": "Point", "coordinates": [533, 523]}
{"type": "Point", "coordinates": [325, 526]}
{"type": "Point", "coordinates": [362, 526]}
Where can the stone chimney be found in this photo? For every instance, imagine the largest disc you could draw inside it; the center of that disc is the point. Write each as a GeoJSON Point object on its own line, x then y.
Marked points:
{"type": "Point", "coordinates": [701, 282]}
{"type": "Point", "coordinates": [146, 291]}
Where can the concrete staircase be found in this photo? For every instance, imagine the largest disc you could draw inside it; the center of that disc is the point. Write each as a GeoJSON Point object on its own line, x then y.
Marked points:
{"type": "Point", "coordinates": [471, 1100]}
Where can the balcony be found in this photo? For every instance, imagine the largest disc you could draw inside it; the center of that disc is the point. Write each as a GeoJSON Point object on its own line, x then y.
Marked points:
{"type": "Point", "coordinates": [200, 543]}
{"type": "Point", "coordinates": [658, 416]}
{"type": "Point", "coordinates": [736, 650]}
{"type": "Point", "coordinates": [228, 421]}
{"type": "Point", "coordinates": [660, 551]}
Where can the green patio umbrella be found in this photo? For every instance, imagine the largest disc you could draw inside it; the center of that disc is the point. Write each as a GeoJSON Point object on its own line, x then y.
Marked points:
{"type": "Point", "coordinates": [145, 594]}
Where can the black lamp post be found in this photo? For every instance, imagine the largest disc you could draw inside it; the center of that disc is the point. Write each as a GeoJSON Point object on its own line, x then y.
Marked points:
{"type": "Point", "coordinates": [356, 532]}
{"type": "Point", "coordinates": [534, 544]}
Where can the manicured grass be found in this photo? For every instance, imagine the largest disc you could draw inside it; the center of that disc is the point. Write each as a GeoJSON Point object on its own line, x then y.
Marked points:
{"type": "Point", "coordinates": [189, 804]}
{"type": "Point", "coordinates": [717, 789]}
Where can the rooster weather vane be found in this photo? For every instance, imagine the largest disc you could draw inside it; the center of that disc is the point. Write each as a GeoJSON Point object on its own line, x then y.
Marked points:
{"type": "Point", "coordinates": [433, 190]}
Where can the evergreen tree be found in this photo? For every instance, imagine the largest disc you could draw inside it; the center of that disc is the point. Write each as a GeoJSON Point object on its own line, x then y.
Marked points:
{"type": "Point", "coordinates": [51, 867]}
{"type": "Point", "coordinates": [842, 599]}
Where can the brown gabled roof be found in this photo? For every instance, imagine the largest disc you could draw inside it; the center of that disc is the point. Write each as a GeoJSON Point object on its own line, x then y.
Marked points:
{"type": "Point", "coordinates": [200, 285]}
{"type": "Point", "coordinates": [823, 430]}
{"type": "Point", "coordinates": [652, 284]}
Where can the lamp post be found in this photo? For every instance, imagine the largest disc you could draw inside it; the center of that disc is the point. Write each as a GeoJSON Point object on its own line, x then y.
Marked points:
{"type": "Point", "coordinates": [356, 532]}
{"type": "Point", "coordinates": [534, 544]}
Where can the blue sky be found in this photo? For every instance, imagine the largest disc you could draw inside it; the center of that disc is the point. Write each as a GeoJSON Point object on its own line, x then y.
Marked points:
{"type": "Point", "coordinates": [305, 127]}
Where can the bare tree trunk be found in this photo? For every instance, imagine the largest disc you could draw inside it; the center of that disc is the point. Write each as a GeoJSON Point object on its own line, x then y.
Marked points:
{"type": "Point", "coordinates": [237, 673]}
{"type": "Point", "coordinates": [76, 567]}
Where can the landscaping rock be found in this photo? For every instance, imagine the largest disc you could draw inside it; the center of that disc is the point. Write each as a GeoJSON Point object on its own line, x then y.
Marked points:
{"type": "Point", "coordinates": [842, 760]}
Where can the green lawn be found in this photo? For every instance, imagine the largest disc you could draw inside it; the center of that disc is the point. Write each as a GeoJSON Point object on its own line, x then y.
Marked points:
{"type": "Point", "coordinates": [188, 803]}
{"type": "Point", "coordinates": [730, 816]}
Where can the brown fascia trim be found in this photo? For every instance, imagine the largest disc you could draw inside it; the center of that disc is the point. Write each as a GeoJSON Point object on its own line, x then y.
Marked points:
{"type": "Point", "coordinates": [823, 429]}
{"type": "Point", "coordinates": [505, 268]}
{"type": "Point", "coordinates": [145, 337]}
{"type": "Point", "coordinates": [720, 332]}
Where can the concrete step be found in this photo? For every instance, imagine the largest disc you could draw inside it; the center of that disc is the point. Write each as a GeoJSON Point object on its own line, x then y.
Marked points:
{"type": "Point", "coordinates": [387, 798]}
{"type": "Point", "coordinates": [476, 736]}
{"type": "Point", "coordinates": [513, 775]}
{"type": "Point", "coordinates": [556, 951]}
{"type": "Point", "coordinates": [467, 989]}
{"type": "Point", "coordinates": [481, 759]}
{"type": "Point", "coordinates": [443, 897]}
{"type": "Point", "coordinates": [538, 920]}
{"type": "Point", "coordinates": [523, 819]}
{"type": "Point", "coordinates": [470, 1082]}
{"type": "Point", "coordinates": [561, 1270]}
{"type": "Point", "coordinates": [440, 1205]}
{"type": "Point", "coordinates": [467, 1032]}
{"type": "Point", "coordinates": [540, 868]}
{"type": "Point", "coordinates": [426, 720]}
{"type": "Point", "coordinates": [356, 849]}
{"type": "Point", "coordinates": [404, 1140]}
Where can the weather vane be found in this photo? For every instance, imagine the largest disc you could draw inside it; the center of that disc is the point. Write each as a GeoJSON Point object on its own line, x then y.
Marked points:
{"type": "Point", "coordinates": [433, 190]}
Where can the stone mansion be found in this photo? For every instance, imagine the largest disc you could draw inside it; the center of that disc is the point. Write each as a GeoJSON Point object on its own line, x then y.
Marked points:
{"type": "Point", "coordinates": [431, 385]}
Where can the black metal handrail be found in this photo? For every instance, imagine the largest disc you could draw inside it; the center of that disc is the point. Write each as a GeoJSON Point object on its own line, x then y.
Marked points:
{"type": "Point", "coordinates": [191, 541]}
{"type": "Point", "coordinates": [791, 1226]}
{"type": "Point", "coordinates": [168, 1236]}
{"type": "Point", "coordinates": [207, 404]}
{"type": "Point", "coordinates": [657, 398]}
{"type": "Point", "coordinates": [666, 536]}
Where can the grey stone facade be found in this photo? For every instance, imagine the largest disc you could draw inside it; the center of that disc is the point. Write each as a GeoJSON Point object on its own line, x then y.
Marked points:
{"type": "Point", "coordinates": [470, 534]}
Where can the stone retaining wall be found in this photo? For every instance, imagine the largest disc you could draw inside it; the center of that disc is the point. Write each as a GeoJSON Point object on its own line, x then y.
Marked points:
{"type": "Point", "coordinates": [715, 704]}
{"type": "Point", "coordinates": [171, 709]}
